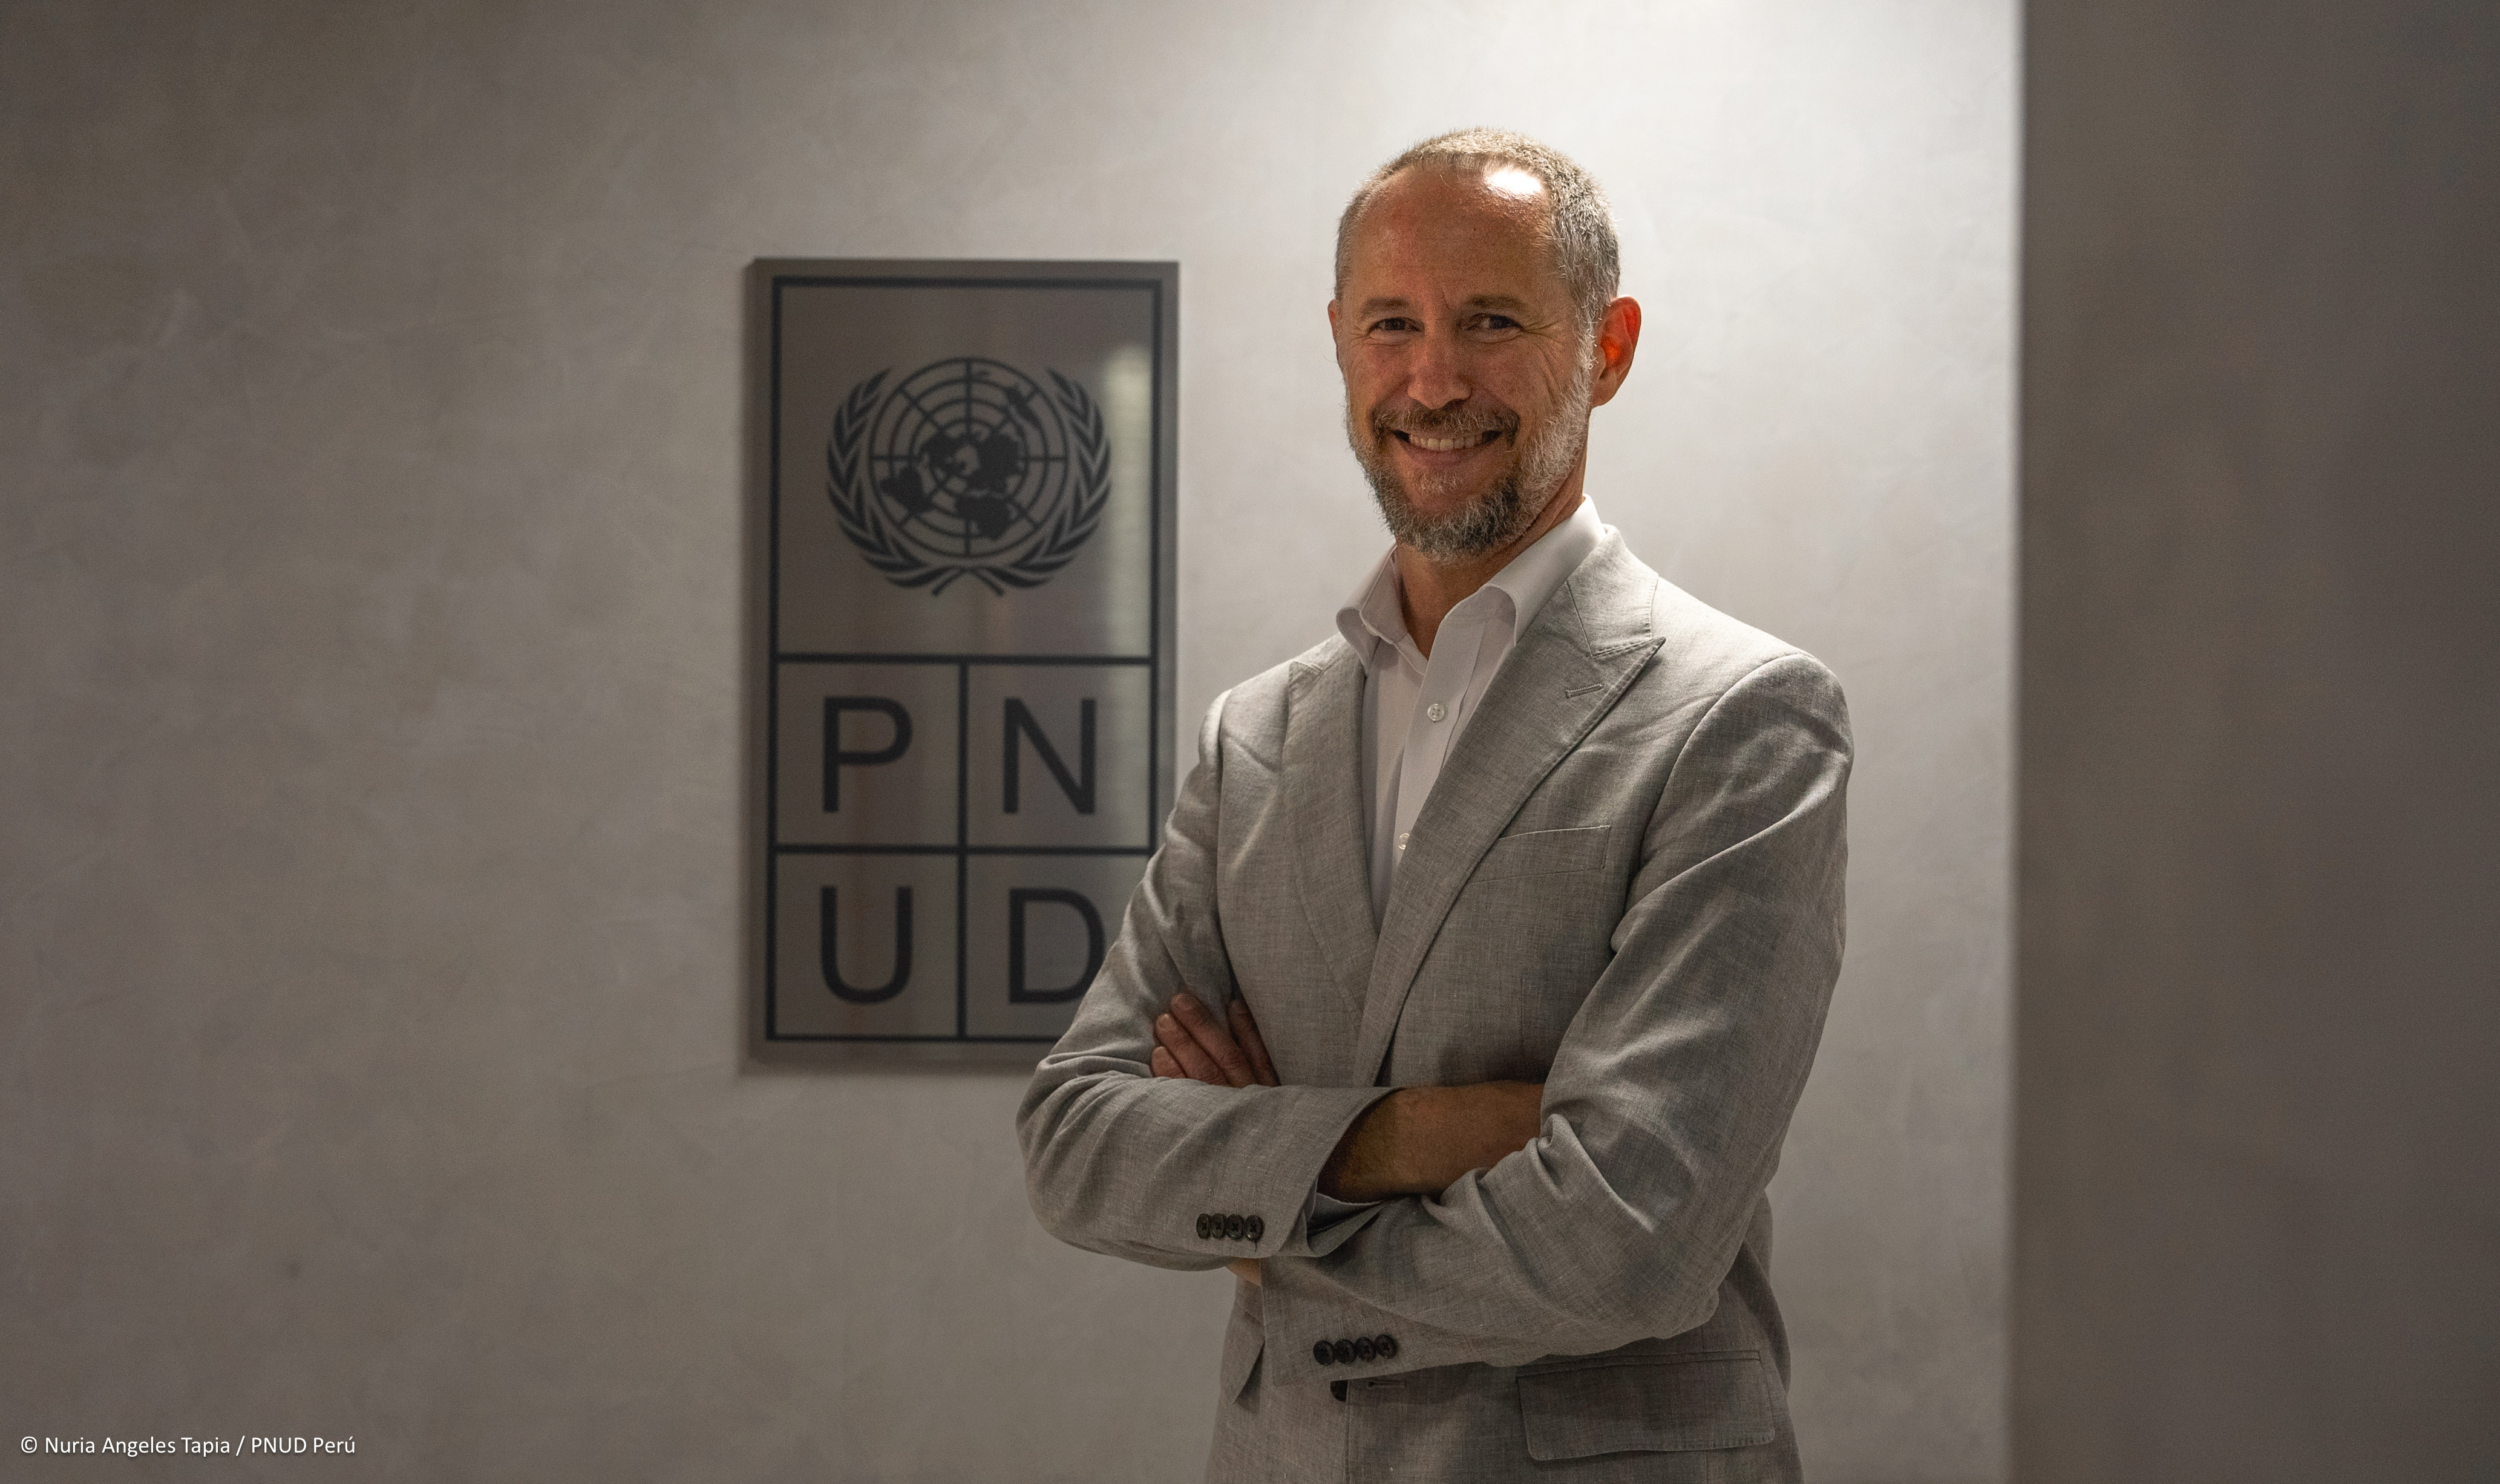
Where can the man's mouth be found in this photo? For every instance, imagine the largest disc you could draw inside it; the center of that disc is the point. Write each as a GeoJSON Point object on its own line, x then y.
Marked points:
{"type": "Point", "coordinates": [1450, 445]}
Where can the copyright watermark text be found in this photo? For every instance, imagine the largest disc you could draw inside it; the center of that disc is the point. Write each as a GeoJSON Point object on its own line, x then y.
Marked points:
{"type": "Point", "coordinates": [239, 1445]}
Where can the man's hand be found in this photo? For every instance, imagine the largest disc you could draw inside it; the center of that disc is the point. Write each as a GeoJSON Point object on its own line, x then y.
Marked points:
{"type": "Point", "coordinates": [1189, 1043]}
{"type": "Point", "coordinates": [1413, 1142]}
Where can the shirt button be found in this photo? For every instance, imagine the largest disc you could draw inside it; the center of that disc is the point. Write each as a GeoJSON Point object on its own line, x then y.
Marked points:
{"type": "Point", "coordinates": [1436, 710]}
{"type": "Point", "coordinates": [1401, 840]}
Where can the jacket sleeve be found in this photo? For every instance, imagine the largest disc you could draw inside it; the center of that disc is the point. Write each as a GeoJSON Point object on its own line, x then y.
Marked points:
{"type": "Point", "coordinates": [1120, 1162]}
{"type": "Point", "coordinates": [1668, 1099]}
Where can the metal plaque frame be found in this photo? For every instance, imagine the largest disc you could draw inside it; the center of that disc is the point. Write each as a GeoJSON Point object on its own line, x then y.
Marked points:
{"type": "Point", "coordinates": [965, 484]}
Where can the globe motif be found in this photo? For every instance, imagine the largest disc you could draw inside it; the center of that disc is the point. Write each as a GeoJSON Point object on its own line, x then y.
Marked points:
{"type": "Point", "coordinates": [969, 459]}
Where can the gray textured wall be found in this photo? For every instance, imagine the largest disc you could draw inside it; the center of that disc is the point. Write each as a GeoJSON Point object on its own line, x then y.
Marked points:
{"type": "Point", "coordinates": [371, 647]}
{"type": "Point", "coordinates": [2260, 1154]}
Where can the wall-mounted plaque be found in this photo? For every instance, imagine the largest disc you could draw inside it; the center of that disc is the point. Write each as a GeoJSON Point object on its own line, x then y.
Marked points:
{"type": "Point", "coordinates": [968, 474]}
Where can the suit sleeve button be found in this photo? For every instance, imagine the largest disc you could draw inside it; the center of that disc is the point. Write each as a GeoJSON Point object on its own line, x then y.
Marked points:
{"type": "Point", "coordinates": [1256, 1228]}
{"type": "Point", "coordinates": [1232, 1229]}
{"type": "Point", "coordinates": [1344, 1349]}
{"type": "Point", "coordinates": [1205, 1226]}
{"type": "Point", "coordinates": [1323, 1354]}
{"type": "Point", "coordinates": [1386, 1347]}
{"type": "Point", "coordinates": [1363, 1348]}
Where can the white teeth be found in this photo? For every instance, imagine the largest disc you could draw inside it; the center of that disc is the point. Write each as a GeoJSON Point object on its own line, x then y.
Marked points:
{"type": "Point", "coordinates": [1439, 445]}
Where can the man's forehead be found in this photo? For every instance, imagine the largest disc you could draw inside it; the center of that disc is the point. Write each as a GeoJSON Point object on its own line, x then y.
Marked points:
{"type": "Point", "coordinates": [1489, 236]}
{"type": "Point", "coordinates": [1431, 193]}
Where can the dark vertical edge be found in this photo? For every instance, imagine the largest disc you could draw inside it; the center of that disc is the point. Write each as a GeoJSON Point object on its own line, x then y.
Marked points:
{"type": "Point", "coordinates": [1163, 725]}
{"type": "Point", "coordinates": [769, 672]}
{"type": "Point", "coordinates": [963, 840]}
{"type": "Point", "coordinates": [1155, 649]}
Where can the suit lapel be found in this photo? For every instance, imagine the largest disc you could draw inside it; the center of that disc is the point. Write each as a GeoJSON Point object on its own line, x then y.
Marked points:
{"type": "Point", "coordinates": [1583, 647]}
{"type": "Point", "coordinates": [1332, 868]}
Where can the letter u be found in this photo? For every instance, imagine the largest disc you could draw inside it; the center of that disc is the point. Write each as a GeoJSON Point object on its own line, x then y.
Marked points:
{"type": "Point", "coordinates": [825, 944]}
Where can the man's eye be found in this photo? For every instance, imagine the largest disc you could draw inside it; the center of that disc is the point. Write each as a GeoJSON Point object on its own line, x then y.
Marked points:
{"type": "Point", "coordinates": [1398, 325]}
{"type": "Point", "coordinates": [1496, 322]}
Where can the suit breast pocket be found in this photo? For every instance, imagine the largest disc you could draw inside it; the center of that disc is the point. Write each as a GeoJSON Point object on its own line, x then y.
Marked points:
{"type": "Point", "coordinates": [1536, 900]}
{"type": "Point", "coordinates": [1544, 852]}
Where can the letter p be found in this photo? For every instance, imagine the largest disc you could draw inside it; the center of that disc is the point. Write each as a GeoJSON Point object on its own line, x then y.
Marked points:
{"type": "Point", "coordinates": [838, 757]}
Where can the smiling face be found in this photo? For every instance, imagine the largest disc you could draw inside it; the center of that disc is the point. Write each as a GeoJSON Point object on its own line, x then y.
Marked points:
{"type": "Point", "coordinates": [1467, 376]}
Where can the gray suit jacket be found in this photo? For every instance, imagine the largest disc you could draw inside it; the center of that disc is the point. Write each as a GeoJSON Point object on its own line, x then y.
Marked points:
{"type": "Point", "coordinates": [1627, 884]}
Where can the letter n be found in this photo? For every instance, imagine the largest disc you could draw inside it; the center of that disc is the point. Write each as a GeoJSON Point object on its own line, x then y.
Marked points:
{"type": "Point", "coordinates": [1018, 900]}
{"type": "Point", "coordinates": [826, 951]}
{"type": "Point", "coordinates": [1080, 787]}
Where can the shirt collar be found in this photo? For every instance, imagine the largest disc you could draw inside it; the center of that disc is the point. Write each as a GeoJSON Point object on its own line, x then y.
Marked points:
{"type": "Point", "coordinates": [1372, 616]}
{"type": "Point", "coordinates": [1534, 574]}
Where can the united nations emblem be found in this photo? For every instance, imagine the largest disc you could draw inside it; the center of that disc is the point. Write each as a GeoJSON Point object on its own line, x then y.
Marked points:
{"type": "Point", "coordinates": [967, 468]}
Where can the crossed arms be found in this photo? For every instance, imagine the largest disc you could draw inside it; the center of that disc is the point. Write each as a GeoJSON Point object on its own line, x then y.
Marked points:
{"type": "Point", "coordinates": [1658, 1124]}
{"type": "Point", "coordinates": [1416, 1142]}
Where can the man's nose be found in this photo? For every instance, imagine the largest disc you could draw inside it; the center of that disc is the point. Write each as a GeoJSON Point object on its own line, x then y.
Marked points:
{"type": "Point", "coordinates": [1437, 375]}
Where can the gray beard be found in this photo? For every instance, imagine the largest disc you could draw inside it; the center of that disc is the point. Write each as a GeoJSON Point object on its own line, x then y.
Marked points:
{"type": "Point", "coordinates": [1503, 513]}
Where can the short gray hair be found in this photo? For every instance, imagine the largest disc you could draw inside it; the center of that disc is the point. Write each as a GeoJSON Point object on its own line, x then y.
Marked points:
{"type": "Point", "coordinates": [1580, 228]}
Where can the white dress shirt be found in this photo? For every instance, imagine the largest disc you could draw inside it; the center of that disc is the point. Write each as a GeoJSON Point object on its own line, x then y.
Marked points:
{"type": "Point", "coordinates": [1414, 708]}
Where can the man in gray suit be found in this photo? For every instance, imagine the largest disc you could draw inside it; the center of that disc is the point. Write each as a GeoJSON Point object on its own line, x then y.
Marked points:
{"type": "Point", "coordinates": [1464, 1009]}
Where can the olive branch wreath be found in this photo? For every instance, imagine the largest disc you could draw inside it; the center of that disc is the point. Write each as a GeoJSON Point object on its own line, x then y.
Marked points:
{"type": "Point", "coordinates": [1051, 549]}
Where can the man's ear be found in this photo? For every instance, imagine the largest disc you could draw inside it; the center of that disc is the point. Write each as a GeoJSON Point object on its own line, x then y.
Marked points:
{"type": "Point", "coordinates": [1618, 337]}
